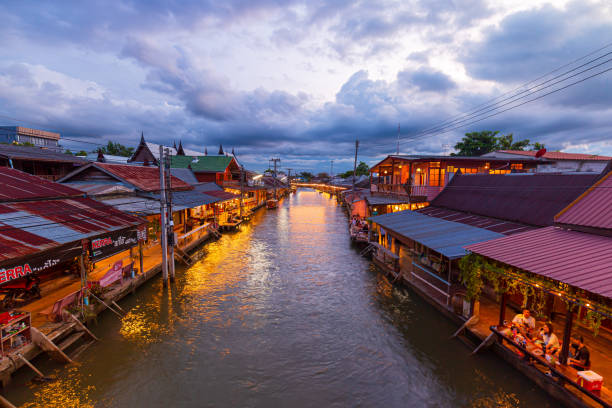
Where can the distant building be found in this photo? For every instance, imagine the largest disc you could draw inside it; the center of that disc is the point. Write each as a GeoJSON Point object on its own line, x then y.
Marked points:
{"type": "Point", "coordinates": [36, 137]}
{"type": "Point", "coordinates": [45, 163]}
{"type": "Point", "coordinates": [557, 161]}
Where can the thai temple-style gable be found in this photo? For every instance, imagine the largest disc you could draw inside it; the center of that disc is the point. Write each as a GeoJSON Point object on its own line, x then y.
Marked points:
{"type": "Point", "coordinates": [147, 152]}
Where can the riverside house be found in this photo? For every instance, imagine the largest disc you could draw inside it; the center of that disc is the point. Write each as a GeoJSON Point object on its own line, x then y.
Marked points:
{"type": "Point", "coordinates": [429, 250]}
{"type": "Point", "coordinates": [411, 182]}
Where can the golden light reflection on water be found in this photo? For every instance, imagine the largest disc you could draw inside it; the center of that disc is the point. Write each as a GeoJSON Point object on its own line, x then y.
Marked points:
{"type": "Point", "coordinates": [66, 392]}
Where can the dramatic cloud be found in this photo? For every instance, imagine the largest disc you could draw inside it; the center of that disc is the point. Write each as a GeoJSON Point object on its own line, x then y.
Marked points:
{"type": "Point", "coordinates": [302, 79]}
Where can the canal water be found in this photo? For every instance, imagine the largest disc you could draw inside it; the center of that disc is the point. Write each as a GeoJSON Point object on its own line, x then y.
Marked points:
{"type": "Point", "coordinates": [283, 313]}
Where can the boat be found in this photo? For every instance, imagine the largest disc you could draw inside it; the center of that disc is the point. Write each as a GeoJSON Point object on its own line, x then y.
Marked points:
{"type": "Point", "coordinates": [272, 204]}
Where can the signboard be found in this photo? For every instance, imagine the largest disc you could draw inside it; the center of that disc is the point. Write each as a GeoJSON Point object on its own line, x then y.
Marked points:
{"type": "Point", "coordinates": [38, 263]}
{"type": "Point", "coordinates": [113, 243]}
{"type": "Point", "coordinates": [142, 233]}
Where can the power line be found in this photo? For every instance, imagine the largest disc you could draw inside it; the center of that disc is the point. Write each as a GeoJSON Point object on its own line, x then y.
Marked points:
{"type": "Point", "coordinates": [511, 100]}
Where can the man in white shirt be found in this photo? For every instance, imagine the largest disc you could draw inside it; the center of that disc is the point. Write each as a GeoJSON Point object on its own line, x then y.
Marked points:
{"type": "Point", "coordinates": [524, 321]}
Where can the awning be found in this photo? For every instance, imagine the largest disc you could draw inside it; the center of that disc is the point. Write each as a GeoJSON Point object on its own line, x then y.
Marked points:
{"type": "Point", "coordinates": [55, 227]}
{"type": "Point", "coordinates": [575, 258]}
{"type": "Point", "coordinates": [445, 237]}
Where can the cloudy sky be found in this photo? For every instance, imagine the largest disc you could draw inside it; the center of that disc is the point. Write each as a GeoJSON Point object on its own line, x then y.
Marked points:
{"type": "Point", "coordinates": [301, 79]}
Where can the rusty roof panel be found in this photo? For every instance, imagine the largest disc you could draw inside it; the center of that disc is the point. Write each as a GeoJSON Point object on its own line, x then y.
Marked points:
{"type": "Point", "coordinates": [35, 226]}
{"type": "Point", "coordinates": [145, 178]}
{"type": "Point", "coordinates": [532, 199]}
{"type": "Point", "coordinates": [576, 258]}
{"type": "Point", "coordinates": [29, 225]}
{"type": "Point", "coordinates": [17, 185]}
{"type": "Point", "coordinates": [558, 155]}
{"type": "Point", "coordinates": [592, 209]}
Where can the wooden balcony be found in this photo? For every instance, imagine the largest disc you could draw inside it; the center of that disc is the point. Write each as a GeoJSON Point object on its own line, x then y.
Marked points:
{"type": "Point", "coordinates": [416, 193]}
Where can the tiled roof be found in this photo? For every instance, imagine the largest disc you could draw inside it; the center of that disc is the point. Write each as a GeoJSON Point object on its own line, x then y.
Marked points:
{"type": "Point", "coordinates": [575, 258]}
{"type": "Point", "coordinates": [445, 237]}
{"type": "Point", "coordinates": [558, 155]}
{"type": "Point", "coordinates": [593, 208]}
{"type": "Point", "coordinates": [17, 185]}
{"type": "Point", "coordinates": [215, 164]}
{"type": "Point", "coordinates": [531, 198]}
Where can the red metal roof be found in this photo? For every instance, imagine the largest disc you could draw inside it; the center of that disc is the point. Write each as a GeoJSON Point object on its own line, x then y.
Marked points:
{"type": "Point", "coordinates": [145, 178]}
{"type": "Point", "coordinates": [530, 198]}
{"type": "Point", "coordinates": [576, 258]}
{"type": "Point", "coordinates": [224, 195]}
{"type": "Point", "coordinates": [29, 227]}
{"type": "Point", "coordinates": [591, 209]}
{"type": "Point", "coordinates": [559, 155]}
{"type": "Point", "coordinates": [59, 216]}
{"type": "Point", "coordinates": [492, 224]}
{"type": "Point", "coordinates": [17, 185]}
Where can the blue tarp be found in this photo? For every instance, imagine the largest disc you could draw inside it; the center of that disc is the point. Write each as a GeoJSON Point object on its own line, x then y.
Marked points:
{"type": "Point", "coordinates": [445, 237]}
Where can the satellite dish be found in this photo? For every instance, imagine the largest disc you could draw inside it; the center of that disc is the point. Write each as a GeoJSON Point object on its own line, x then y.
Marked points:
{"type": "Point", "coordinates": [540, 153]}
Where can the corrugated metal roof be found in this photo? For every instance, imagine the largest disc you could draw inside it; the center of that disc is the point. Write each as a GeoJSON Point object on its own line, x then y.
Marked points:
{"type": "Point", "coordinates": [385, 200]}
{"type": "Point", "coordinates": [558, 155]}
{"type": "Point", "coordinates": [222, 195]}
{"type": "Point", "coordinates": [145, 178]}
{"type": "Point", "coordinates": [17, 185]}
{"type": "Point", "coordinates": [31, 226]}
{"type": "Point", "coordinates": [203, 187]}
{"type": "Point", "coordinates": [576, 258]}
{"type": "Point", "coordinates": [592, 209]}
{"type": "Point", "coordinates": [532, 199]}
{"type": "Point", "coordinates": [134, 205]}
{"type": "Point", "coordinates": [445, 237]}
{"type": "Point", "coordinates": [184, 174]}
{"type": "Point", "coordinates": [93, 189]}
{"type": "Point", "coordinates": [492, 224]}
{"type": "Point", "coordinates": [38, 154]}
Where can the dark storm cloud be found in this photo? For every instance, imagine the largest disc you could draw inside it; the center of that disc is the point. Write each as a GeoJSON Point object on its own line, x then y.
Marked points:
{"type": "Point", "coordinates": [427, 80]}
{"type": "Point", "coordinates": [197, 103]}
{"type": "Point", "coordinates": [533, 42]}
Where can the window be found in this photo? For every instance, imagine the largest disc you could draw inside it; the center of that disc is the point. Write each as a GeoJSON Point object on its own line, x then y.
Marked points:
{"type": "Point", "coordinates": [516, 166]}
{"type": "Point", "coordinates": [436, 177]}
{"type": "Point", "coordinates": [499, 171]}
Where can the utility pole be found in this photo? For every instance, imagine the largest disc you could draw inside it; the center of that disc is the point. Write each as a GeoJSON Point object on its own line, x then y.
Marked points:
{"type": "Point", "coordinates": [398, 137]}
{"type": "Point", "coordinates": [170, 219]}
{"type": "Point", "coordinates": [331, 173]}
{"type": "Point", "coordinates": [241, 190]}
{"type": "Point", "coordinates": [275, 160]}
{"type": "Point", "coordinates": [355, 164]}
{"type": "Point", "coordinates": [163, 215]}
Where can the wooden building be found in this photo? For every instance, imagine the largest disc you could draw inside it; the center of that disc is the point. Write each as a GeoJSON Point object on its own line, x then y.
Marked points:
{"type": "Point", "coordinates": [45, 163]}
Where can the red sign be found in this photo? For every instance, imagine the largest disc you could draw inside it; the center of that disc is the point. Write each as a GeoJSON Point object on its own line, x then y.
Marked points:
{"type": "Point", "coordinates": [102, 242]}
{"type": "Point", "coordinates": [14, 273]}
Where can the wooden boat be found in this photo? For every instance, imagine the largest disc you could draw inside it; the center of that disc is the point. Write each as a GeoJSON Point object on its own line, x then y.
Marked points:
{"type": "Point", "coordinates": [272, 204]}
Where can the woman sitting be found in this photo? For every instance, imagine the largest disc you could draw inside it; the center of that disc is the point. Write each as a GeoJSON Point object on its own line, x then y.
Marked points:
{"type": "Point", "coordinates": [550, 342]}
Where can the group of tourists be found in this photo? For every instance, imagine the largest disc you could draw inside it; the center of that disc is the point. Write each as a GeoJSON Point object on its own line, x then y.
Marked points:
{"type": "Point", "coordinates": [524, 325]}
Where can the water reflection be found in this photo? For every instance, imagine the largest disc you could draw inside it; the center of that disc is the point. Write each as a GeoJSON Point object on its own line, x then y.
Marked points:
{"type": "Point", "coordinates": [282, 313]}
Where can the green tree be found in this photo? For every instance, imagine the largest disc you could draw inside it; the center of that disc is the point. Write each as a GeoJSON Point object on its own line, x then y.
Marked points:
{"type": "Point", "coordinates": [362, 169]}
{"type": "Point", "coordinates": [117, 149]}
{"type": "Point", "coordinates": [506, 142]}
{"type": "Point", "coordinates": [67, 151]}
{"type": "Point", "coordinates": [306, 175]}
{"type": "Point", "coordinates": [476, 143]}
{"type": "Point", "coordinates": [479, 143]}
{"type": "Point", "coordinates": [538, 146]}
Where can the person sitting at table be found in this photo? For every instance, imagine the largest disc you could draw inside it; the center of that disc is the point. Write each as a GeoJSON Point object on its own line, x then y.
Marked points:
{"type": "Point", "coordinates": [550, 340]}
{"type": "Point", "coordinates": [524, 322]}
{"type": "Point", "coordinates": [579, 353]}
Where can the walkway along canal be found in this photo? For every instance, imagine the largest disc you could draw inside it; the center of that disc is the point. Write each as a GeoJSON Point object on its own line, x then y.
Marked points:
{"type": "Point", "coordinates": [282, 313]}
